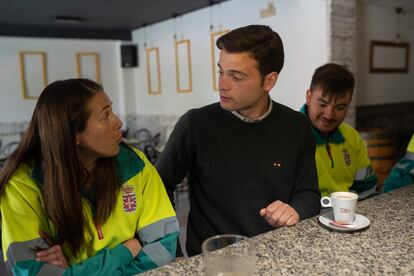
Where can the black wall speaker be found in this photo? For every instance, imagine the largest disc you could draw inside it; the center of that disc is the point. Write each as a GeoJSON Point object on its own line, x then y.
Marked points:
{"type": "Point", "coordinates": [129, 56]}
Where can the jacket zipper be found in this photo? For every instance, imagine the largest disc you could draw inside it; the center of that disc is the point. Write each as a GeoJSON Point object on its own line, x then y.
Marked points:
{"type": "Point", "coordinates": [328, 149]}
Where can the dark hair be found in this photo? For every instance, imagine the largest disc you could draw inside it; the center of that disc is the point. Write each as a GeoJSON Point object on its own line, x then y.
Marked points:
{"type": "Point", "coordinates": [333, 79]}
{"type": "Point", "coordinates": [50, 140]}
{"type": "Point", "coordinates": [261, 42]}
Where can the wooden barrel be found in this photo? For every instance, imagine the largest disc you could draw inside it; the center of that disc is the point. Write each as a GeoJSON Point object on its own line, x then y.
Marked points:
{"type": "Point", "coordinates": [383, 151]}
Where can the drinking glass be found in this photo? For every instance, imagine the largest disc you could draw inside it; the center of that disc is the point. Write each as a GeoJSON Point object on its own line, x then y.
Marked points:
{"type": "Point", "coordinates": [228, 254]}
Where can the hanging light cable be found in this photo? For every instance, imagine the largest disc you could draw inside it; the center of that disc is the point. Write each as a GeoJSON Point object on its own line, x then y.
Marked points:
{"type": "Point", "coordinates": [210, 10]}
{"type": "Point", "coordinates": [179, 26]}
{"type": "Point", "coordinates": [145, 34]}
{"type": "Point", "coordinates": [219, 16]}
{"type": "Point", "coordinates": [174, 26]}
{"type": "Point", "coordinates": [398, 11]}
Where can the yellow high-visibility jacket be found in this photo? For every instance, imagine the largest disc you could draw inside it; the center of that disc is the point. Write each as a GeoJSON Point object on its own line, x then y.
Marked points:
{"type": "Point", "coordinates": [142, 210]}
{"type": "Point", "coordinates": [342, 161]}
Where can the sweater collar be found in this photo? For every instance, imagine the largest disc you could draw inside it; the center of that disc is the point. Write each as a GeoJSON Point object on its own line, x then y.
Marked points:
{"type": "Point", "coordinates": [248, 120]}
{"type": "Point", "coordinates": [335, 137]}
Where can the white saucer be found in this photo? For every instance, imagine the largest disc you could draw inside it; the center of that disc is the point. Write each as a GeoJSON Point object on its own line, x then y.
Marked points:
{"type": "Point", "coordinates": [359, 223]}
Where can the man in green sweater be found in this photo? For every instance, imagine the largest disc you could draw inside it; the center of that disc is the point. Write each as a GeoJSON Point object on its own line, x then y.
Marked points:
{"type": "Point", "coordinates": [250, 160]}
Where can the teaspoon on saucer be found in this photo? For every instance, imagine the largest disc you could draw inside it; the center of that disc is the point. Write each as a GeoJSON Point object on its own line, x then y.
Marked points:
{"type": "Point", "coordinates": [341, 224]}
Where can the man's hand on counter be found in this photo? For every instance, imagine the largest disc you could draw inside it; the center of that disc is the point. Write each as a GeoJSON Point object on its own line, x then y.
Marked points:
{"type": "Point", "coordinates": [280, 214]}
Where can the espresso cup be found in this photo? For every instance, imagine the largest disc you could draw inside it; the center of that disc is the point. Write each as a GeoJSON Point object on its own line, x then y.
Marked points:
{"type": "Point", "coordinates": [343, 204]}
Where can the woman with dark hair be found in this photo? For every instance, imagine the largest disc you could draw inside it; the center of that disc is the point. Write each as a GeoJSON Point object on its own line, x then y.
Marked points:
{"type": "Point", "coordinates": [75, 200]}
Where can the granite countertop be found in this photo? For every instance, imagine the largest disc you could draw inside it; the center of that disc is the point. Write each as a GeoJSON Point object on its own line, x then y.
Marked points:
{"type": "Point", "coordinates": [309, 248]}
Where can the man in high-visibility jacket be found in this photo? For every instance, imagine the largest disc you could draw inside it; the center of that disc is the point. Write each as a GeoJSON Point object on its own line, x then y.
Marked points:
{"type": "Point", "coordinates": [341, 156]}
{"type": "Point", "coordinates": [402, 173]}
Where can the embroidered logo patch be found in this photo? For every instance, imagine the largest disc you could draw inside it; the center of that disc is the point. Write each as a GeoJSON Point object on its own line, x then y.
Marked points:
{"type": "Point", "coordinates": [129, 198]}
{"type": "Point", "coordinates": [347, 157]}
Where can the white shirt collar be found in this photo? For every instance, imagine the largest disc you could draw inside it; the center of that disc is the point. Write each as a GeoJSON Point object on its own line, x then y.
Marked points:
{"type": "Point", "coordinates": [248, 120]}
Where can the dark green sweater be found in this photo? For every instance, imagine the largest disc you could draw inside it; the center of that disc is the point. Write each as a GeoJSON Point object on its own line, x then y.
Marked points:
{"type": "Point", "coordinates": [236, 168]}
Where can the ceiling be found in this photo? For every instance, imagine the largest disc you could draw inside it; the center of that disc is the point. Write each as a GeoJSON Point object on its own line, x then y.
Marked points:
{"type": "Point", "coordinates": [99, 19]}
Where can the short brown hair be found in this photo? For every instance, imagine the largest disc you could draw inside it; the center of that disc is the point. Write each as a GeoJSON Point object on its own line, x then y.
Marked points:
{"type": "Point", "coordinates": [333, 79]}
{"type": "Point", "coordinates": [262, 43]}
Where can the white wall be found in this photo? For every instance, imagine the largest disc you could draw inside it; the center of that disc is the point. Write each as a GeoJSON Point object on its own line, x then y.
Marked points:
{"type": "Point", "coordinates": [61, 64]}
{"type": "Point", "coordinates": [302, 25]}
{"type": "Point", "coordinates": [377, 21]}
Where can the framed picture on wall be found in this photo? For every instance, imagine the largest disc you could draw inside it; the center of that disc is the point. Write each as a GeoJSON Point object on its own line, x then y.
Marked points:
{"type": "Point", "coordinates": [215, 55]}
{"type": "Point", "coordinates": [389, 57]}
{"type": "Point", "coordinates": [33, 73]}
{"type": "Point", "coordinates": [153, 71]}
{"type": "Point", "coordinates": [88, 66]}
{"type": "Point", "coordinates": [183, 66]}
